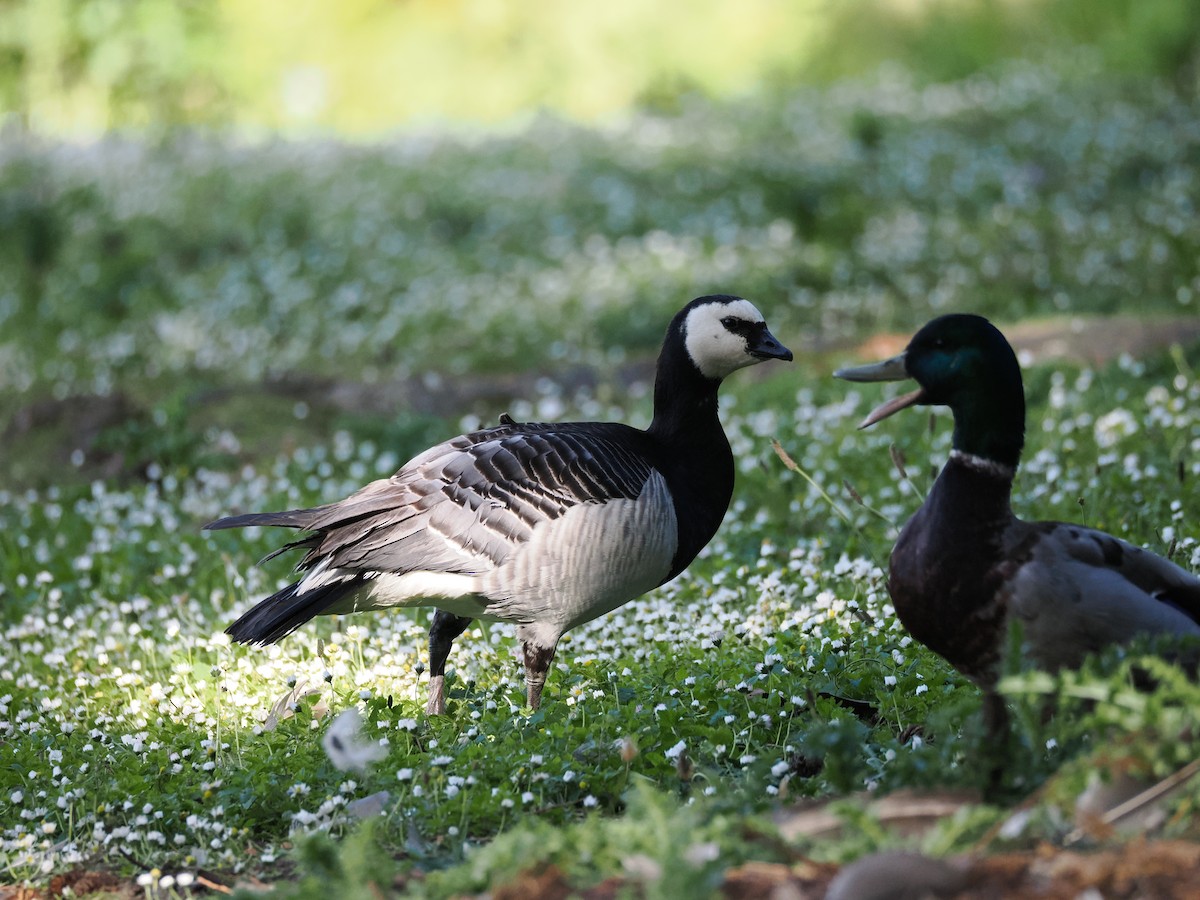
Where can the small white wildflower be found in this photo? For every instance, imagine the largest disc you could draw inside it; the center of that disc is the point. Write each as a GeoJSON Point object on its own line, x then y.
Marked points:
{"type": "Point", "coordinates": [344, 744]}
{"type": "Point", "coordinates": [699, 854]}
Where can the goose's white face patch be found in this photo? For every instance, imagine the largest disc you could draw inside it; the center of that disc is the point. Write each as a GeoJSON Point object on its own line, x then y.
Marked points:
{"type": "Point", "coordinates": [715, 349]}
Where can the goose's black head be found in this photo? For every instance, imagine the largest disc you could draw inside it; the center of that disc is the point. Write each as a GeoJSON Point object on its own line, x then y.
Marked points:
{"type": "Point", "coordinates": [721, 334]}
{"type": "Point", "coordinates": [963, 362]}
{"type": "Point", "coordinates": [709, 338]}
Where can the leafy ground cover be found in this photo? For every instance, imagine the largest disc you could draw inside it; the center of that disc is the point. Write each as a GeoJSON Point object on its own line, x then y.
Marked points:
{"type": "Point", "coordinates": [149, 288]}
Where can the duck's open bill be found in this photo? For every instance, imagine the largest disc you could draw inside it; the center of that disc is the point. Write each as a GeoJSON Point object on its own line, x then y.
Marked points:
{"type": "Point", "coordinates": [883, 410]}
{"type": "Point", "coordinates": [892, 369]}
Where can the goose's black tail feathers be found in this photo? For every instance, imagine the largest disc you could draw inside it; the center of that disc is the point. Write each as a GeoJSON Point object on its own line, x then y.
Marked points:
{"type": "Point", "coordinates": [284, 611]}
{"type": "Point", "coordinates": [291, 518]}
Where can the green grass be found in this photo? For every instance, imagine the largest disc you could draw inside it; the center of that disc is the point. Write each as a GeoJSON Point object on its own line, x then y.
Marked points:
{"type": "Point", "coordinates": [230, 297]}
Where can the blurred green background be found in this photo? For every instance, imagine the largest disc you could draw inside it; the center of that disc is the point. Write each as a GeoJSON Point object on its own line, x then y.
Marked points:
{"type": "Point", "coordinates": [362, 67]}
{"type": "Point", "coordinates": [228, 227]}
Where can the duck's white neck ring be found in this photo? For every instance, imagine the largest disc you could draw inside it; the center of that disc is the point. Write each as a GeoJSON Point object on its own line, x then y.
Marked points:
{"type": "Point", "coordinates": [983, 465]}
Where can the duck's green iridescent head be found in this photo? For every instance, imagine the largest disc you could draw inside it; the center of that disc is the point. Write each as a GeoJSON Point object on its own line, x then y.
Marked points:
{"type": "Point", "coordinates": [961, 361]}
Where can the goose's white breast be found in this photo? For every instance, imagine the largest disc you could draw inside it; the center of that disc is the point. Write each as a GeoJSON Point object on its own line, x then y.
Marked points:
{"type": "Point", "coordinates": [588, 561]}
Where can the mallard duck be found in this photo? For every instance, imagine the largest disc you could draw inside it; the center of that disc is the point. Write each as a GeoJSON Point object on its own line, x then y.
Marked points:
{"type": "Point", "coordinates": [965, 569]}
{"type": "Point", "coordinates": [547, 526]}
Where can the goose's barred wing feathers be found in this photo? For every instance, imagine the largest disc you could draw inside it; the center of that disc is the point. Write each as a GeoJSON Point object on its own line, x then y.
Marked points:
{"type": "Point", "coordinates": [462, 506]}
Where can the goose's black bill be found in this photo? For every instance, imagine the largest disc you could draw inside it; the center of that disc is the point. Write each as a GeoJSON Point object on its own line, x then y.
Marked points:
{"type": "Point", "coordinates": [765, 345]}
{"type": "Point", "coordinates": [893, 369]}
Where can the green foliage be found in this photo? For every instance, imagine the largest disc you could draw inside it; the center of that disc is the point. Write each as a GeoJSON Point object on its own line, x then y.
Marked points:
{"type": "Point", "coordinates": [944, 40]}
{"type": "Point", "coordinates": [774, 668]}
{"type": "Point", "coordinates": [147, 268]}
{"type": "Point", "coordinates": [83, 66]}
{"type": "Point", "coordinates": [504, 273]}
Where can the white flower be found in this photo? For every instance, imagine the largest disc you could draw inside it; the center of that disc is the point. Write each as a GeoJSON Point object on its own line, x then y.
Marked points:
{"type": "Point", "coordinates": [404, 775]}
{"type": "Point", "coordinates": [673, 752]}
{"type": "Point", "coordinates": [699, 854]}
{"type": "Point", "coordinates": [345, 746]}
{"type": "Point", "coordinates": [1113, 426]}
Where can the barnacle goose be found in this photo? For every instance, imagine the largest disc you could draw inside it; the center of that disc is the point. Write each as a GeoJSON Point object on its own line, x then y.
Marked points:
{"type": "Point", "coordinates": [543, 525]}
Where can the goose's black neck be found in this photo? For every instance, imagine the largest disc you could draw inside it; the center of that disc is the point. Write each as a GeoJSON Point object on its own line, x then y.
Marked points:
{"type": "Point", "coordinates": [685, 402]}
{"type": "Point", "coordinates": [689, 447]}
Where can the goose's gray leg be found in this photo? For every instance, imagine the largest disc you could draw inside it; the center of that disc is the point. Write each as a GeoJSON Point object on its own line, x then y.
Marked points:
{"type": "Point", "coordinates": [537, 651]}
{"type": "Point", "coordinates": [445, 628]}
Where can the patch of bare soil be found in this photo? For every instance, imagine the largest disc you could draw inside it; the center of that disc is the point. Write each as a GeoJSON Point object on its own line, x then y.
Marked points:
{"type": "Point", "coordinates": [1143, 870]}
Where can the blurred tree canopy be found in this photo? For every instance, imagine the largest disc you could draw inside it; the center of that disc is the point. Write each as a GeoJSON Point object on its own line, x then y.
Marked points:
{"type": "Point", "coordinates": [87, 65]}
{"type": "Point", "coordinates": [363, 66]}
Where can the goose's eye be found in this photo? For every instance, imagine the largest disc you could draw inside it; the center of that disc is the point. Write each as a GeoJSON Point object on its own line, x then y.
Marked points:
{"type": "Point", "coordinates": [730, 322]}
